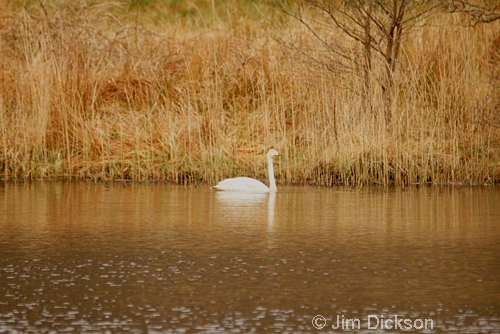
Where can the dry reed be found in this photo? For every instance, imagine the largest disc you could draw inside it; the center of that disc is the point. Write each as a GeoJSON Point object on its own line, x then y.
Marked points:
{"type": "Point", "coordinates": [104, 92]}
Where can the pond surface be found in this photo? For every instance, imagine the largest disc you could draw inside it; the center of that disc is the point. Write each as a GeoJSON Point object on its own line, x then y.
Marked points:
{"type": "Point", "coordinates": [132, 258]}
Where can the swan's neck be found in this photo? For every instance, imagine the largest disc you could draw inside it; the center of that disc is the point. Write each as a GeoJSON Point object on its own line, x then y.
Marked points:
{"type": "Point", "coordinates": [270, 169]}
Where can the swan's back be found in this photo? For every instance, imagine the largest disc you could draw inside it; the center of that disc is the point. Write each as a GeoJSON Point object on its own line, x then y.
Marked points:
{"type": "Point", "coordinates": [245, 184]}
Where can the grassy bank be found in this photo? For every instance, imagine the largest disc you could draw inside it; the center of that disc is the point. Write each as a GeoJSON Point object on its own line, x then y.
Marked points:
{"type": "Point", "coordinates": [191, 92]}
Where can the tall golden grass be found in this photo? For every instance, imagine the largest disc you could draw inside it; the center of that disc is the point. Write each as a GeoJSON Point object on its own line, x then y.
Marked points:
{"type": "Point", "coordinates": [193, 93]}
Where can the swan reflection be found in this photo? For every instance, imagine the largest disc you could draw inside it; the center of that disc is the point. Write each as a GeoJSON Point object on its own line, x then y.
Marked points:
{"type": "Point", "coordinates": [247, 207]}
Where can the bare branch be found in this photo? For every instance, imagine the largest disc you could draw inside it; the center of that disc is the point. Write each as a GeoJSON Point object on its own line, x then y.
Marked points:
{"type": "Point", "coordinates": [478, 11]}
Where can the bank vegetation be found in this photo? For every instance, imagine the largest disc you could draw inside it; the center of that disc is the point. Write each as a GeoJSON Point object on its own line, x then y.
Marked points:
{"type": "Point", "coordinates": [198, 91]}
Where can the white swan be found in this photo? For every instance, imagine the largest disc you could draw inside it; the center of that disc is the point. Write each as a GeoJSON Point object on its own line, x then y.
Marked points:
{"type": "Point", "coordinates": [249, 185]}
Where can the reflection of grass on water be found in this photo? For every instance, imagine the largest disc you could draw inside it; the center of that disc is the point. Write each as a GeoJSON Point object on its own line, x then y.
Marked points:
{"type": "Point", "coordinates": [198, 91]}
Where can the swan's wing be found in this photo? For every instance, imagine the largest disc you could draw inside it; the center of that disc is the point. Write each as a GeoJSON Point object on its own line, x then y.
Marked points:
{"type": "Point", "coordinates": [244, 184]}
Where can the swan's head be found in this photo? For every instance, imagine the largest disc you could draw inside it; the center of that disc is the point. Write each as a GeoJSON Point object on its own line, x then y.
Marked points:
{"type": "Point", "coordinates": [272, 153]}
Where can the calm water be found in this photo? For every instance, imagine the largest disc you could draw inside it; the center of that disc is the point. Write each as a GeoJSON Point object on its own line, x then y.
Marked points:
{"type": "Point", "coordinates": [162, 259]}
